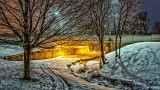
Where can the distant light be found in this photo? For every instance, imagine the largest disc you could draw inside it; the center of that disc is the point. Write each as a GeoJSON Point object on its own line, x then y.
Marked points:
{"type": "Point", "coordinates": [56, 13]}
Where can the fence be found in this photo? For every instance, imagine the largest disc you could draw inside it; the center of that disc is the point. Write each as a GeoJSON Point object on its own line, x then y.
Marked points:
{"type": "Point", "coordinates": [137, 38]}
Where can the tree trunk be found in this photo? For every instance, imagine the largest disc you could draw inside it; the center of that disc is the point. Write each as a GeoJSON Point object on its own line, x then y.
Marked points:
{"type": "Point", "coordinates": [109, 36]}
{"type": "Point", "coordinates": [120, 47]}
{"type": "Point", "coordinates": [116, 46]}
{"type": "Point", "coordinates": [102, 52]}
{"type": "Point", "coordinates": [109, 45]}
{"type": "Point", "coordinates": [102, 61]}
{"type": "Point", "coordinates": [27, 52]}
{"type": "Point", "coordinates": [109, 32]}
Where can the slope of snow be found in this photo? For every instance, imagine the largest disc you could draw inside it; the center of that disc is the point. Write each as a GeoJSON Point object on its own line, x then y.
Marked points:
{"type": "Point", "coordinates": [8, 50]}
{"type": "Point", "coordinates": [139, 63]}
{"type": "Point", "coordinates": [138, 68]}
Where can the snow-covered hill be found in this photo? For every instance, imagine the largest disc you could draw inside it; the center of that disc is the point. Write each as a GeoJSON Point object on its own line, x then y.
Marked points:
{"type": "Point", "coordinates": [139, 63]}
{"type": "Point", "coordinates": [138, 68]}
{"type": "Point", "coordinates": [8, 50]}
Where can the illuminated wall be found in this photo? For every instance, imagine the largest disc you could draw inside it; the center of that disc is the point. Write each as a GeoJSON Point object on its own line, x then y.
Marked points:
{"type": "Point", "coordinates": [52, 53]}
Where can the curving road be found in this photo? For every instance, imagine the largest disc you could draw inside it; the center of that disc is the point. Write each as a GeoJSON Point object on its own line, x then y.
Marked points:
{"type": "Point", "coordinates": [66, 81]}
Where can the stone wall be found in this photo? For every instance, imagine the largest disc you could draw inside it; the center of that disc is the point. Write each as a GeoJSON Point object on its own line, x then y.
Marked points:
{"type": "Point", "coordinates": [51, 53]}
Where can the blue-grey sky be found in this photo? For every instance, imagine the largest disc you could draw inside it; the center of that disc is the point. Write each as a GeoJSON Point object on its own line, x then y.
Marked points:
{"type": "Point", "coordinates": [153, 9]}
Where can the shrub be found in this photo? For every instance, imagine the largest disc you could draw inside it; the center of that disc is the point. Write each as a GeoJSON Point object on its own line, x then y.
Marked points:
{"type": "Point", "coordinates": [95, 75]}
{"type": "Point", "coordinates": [82, 70]}
{"type": "Point", "coordinates": [74, 63]}
{"type": "Point", "coordinates": [69, 65]}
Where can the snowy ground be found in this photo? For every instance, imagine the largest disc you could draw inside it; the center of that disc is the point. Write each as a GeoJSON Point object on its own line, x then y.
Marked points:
{"type": "Point", "coordinates": [49, 74]}
{"type": "Point", "coordinates": [138, 68]}
{"type": "Point", "coordinates": [7, 50]}
{"type": "Point", "coordinates": [52, 74]}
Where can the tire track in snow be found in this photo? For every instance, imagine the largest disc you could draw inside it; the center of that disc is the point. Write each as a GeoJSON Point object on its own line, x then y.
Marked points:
{"type": "Point", "coordinates": [60, 82]}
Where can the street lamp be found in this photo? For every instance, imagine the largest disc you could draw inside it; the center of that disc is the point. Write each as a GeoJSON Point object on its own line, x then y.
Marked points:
{"type": "Point", "coordinates": [56, 13]}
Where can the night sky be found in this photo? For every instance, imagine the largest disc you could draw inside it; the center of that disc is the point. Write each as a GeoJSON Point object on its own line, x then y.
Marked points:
{"type": "Point", "coordinates": [153, 9]}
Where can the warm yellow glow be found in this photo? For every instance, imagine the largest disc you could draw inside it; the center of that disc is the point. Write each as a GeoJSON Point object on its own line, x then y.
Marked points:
{"type": "Point", "coordinates": [60, 57]}
{"type": "Point", "coordinates": [80, 53]}
{"type": "Point", "coordinates": [65, 47]}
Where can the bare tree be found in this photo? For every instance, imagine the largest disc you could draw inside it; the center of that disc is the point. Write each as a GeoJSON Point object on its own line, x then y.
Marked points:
{"type": "Point", "coordinates": [95, 21]}
{"type": "Point", "coordinates": [125, 12]}
{"type": "Point", "coordinates": [34, 22]}
{"type": "Point", "coordinates": [142, 22]}
{"type": "Point", "coordinates": [156, 28]}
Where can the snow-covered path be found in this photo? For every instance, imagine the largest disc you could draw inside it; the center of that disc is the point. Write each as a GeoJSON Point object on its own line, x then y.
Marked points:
{"type": "Point", "coordinates": [51, 75]}
{"type": "Point", "coordinates": [71, 82]}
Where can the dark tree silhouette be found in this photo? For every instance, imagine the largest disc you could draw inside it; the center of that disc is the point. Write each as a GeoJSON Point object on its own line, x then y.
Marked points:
{"type": "Point", "coordinates": [142, 23]}
{"type": "Point", "coordinates": [156, 28]}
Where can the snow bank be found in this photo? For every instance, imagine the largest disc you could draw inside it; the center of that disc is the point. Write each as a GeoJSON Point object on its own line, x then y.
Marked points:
{"type": "Point", "coordinates": [8, 50]}
{"type": "Point", "coordinates": [76, 67]}
{"type": "Point", "coordinates": [138, 68]}
{"type": "Point", "coordinates": [92, 64]}
{"type": "Point", "coordinates": [139, 63]}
